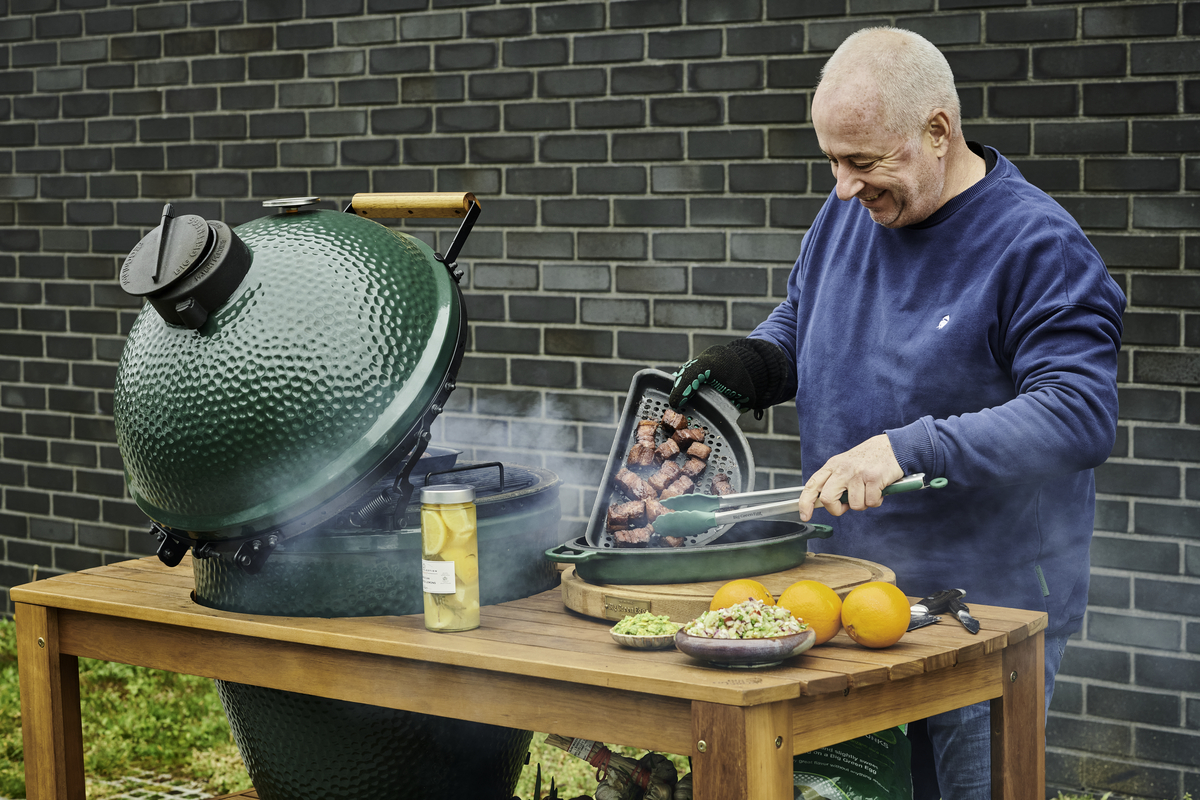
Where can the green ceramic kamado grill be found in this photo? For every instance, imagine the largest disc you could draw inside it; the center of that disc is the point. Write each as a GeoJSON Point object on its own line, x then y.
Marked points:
{"type": "Point", "coordinates": [279, 370]}
{"type": "Point", "coordinates": [273, 408]}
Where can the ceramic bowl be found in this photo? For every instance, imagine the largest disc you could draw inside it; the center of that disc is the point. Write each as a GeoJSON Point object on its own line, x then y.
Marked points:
{"type": "Point", "coordinates": [662, 642]}
{"type": "Point", "coordinates": [745, 653]}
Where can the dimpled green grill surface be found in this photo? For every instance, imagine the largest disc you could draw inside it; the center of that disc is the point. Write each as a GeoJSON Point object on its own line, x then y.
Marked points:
{"type": "Point", "coordinates": [331, 350]}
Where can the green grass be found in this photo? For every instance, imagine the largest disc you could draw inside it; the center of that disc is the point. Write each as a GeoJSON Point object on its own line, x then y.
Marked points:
{"type": "Point", "coordinates": [133, 719]}
{"type": "Point", "coordinates": [137, 719]}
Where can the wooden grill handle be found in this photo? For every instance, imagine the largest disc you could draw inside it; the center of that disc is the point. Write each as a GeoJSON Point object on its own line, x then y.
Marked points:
{"type": "Point", "coordinates": [401, 205]}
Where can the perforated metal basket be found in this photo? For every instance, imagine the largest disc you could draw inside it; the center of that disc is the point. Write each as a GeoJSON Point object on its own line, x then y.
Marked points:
{"type": "Point", "coordinates": [647, 399]}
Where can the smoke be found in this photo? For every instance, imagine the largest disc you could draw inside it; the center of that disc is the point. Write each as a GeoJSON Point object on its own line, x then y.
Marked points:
{"type": "Point", "coordinates": [569, 435]}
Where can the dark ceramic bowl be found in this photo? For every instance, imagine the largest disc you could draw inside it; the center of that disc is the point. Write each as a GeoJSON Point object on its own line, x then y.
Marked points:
{"type": "Point", "coordinates": [745, 653]}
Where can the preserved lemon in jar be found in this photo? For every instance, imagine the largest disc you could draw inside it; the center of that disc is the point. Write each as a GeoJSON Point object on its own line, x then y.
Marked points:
{"type": "Point", "coordinates": [449, 558]}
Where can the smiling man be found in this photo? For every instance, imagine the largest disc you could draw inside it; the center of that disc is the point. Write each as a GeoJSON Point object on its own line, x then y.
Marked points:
{"type": "Point", "coordinates": [944, 317]}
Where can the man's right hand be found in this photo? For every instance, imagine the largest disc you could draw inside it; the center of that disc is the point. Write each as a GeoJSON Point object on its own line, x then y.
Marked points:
{"type": "Point", "coordinates": [721, 367]}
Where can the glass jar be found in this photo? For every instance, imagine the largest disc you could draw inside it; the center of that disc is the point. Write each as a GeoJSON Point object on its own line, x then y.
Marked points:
{"type": "Point", "coordinates": [449, 558]}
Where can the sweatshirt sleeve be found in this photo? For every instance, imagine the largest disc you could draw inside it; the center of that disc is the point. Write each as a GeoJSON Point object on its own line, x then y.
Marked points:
{"type": "Point", "coordinates": [1061, 346]}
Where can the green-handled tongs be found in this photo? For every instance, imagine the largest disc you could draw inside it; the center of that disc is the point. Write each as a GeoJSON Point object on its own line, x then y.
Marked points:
{"type": "Point", "coordinates": [696, 513]}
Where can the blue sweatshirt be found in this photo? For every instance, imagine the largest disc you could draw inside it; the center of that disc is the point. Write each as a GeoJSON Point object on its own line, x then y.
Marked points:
{"type": "Point", "coordinates": [984, 342]}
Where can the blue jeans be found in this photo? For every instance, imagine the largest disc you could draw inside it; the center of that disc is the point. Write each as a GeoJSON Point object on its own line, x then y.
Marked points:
{"type": "Point", "coordinates": [952, 752]}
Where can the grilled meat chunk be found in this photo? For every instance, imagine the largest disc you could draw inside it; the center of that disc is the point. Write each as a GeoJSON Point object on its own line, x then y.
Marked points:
{"type": "Point", "coordinates": [673, 419]}
{"type": "Point", "coordinates": [681, 485]}
{"type": "Point", "coordinates": [641, 455]}
{"type": "Point", "coordinates": [633, 486]}
{"type": "Point", "coordinates": [699, 450]}
{"type": "Point", "coordinates": [666, 451]}
{"type": "Point", "coordinates": [693, 467]}
{"type": "Point", "coordinates": [672, 541]}
{"type": "Point", "coordinates": [634, 537]}
{"type": "Point", "coordinates": [645, 431]}
{"type": "Point", "coordinates": [720, 485]}
{"type": "Point", "coordinates": [654, 510]}
{"type": "Point", "coordinates": [685, 436]}
{"type": "Point", "coordinates": [628, 515]}
{"type": "Point", "coordinates": [665, 475]}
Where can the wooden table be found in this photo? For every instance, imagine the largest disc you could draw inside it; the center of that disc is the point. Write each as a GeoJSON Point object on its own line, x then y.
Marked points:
{"type": "Point", "coordinates": [533, 665]}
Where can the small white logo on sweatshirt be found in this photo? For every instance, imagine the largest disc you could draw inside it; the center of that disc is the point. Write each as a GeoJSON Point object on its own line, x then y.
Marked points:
{"type": "Point", "coordinates": [945, 321]}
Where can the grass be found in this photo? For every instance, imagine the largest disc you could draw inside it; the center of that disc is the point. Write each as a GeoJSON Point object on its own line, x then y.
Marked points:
{"type": "Point", "coordinates": [142, 720]}
{"type": "Point", "coordinates": [133, 719]}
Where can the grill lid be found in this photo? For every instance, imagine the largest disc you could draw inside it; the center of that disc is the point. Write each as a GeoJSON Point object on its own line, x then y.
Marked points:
{"type": "Point", "coordinates": [324, 366]}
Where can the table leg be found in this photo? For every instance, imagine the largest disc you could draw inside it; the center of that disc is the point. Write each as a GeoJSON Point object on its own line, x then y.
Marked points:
{"type": "Point", "coordinates": [742, 753]}
{"type": "Point", "coordinates": [50, 721]}
{"type": "Point", "coordinates": [1019, 724]}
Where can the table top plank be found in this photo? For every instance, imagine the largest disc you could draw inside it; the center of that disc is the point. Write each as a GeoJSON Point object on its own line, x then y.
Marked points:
{"type": "Point", "coordinates": [406, 637]}
{"type": "Point", "coordinates": [537, 637]}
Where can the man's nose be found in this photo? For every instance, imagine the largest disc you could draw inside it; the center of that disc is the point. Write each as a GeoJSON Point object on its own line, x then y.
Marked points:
{"type": "Point", "coordinates": [848, 182]}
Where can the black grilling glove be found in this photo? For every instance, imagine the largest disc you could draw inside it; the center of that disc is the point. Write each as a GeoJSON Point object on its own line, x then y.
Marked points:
{"type": "Point", "coordinates": [752, 373]}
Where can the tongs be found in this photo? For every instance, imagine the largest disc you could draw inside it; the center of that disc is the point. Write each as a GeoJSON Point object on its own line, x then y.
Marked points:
{"type": "Point", "coordinates": [695, 513]}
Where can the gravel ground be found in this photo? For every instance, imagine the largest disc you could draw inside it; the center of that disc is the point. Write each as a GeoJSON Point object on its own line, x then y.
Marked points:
{"type": "Point", "coordinates": [147, 786]}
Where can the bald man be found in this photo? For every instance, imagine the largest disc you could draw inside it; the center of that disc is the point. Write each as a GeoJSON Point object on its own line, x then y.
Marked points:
{"type": "Point", "coordinates": [944, 317]}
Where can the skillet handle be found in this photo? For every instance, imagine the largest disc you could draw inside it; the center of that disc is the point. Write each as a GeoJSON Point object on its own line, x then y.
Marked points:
{"type": "Point", "coordinates": [402, 205]}
{"type": "Point", "coordinates": [565, 554]}
{"type": "Point", "coordinates": [818, 531]}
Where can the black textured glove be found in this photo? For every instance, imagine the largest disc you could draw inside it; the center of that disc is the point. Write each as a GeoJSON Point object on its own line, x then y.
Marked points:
{"type": "Point", "coordinates": [752, 373]}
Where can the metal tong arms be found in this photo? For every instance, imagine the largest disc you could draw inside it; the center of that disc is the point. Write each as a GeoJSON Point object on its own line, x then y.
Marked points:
{"type": "Point", "coordinates": [707, 502]}
{"type": "Point", "coordinates": [691, 523]}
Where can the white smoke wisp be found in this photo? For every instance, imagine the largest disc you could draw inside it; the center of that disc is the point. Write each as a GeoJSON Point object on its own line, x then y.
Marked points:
{"type": "Point", "coordinates": [568, 436]}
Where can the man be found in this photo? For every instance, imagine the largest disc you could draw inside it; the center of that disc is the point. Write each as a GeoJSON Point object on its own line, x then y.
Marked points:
{"type": "Point", "coordinates": [946, 317]}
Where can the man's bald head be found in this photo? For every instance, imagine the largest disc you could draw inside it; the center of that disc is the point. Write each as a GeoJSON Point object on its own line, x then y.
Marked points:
{"type": "Point", "coordinates": [900, 71]}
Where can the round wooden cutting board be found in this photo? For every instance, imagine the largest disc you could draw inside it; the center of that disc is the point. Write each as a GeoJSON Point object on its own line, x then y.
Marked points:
{"type": "Point", "coordinates": [683, 602]}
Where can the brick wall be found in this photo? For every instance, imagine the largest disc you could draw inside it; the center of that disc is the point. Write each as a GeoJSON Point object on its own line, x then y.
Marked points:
{"type": "Point", "coordinates": [646, 172]}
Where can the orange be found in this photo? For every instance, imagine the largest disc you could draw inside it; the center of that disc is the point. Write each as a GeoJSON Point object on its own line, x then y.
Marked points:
{"type": "Point", "coordinates": [875, 614]}
{"type": "Point", "coordinates": [816, 604]}
{"type": "Point", "coordinates": [740, 591]}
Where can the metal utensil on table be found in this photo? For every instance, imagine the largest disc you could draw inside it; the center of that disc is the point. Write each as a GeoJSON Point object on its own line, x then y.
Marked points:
{"type": "Point", "coordinates": [924, 612]}
{"type": "Point", "coordinates": [690, 516]}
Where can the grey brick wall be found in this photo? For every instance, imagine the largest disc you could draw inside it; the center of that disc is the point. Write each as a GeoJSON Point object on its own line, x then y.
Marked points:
{"type": "Point", "coordinates": [646, 172]}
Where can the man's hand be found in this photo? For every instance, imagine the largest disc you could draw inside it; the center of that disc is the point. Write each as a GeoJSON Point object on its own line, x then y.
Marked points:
{"type": "Point", "coordinates": [861, 472]}
{"type": "Point", "coordinates": [721, 367]}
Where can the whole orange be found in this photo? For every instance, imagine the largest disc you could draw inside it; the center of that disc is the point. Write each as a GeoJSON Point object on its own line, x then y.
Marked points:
{"type": "Point", "coordinates": [875, 614]}
{"type": "Point", "coordinates": [740, 591]}
{"type": "Point", "coordinates": [816, 604]}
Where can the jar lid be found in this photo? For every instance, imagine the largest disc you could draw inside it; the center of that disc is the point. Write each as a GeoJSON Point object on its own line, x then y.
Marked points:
{"type": "Point", "coordinates": [448, 493]}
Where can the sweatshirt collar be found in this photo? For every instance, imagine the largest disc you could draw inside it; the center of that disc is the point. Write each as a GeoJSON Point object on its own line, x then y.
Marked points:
{"type": "Point", "coordinates": [992, 159]}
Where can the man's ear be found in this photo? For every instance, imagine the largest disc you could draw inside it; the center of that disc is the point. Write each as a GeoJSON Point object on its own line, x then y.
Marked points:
{"type": "Point", "coordinates": [938, 130]}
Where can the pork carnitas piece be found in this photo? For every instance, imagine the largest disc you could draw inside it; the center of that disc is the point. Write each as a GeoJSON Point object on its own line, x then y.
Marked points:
{"type": "Point", "coordinates": [633, 486]}
{"type": "Point", "coordinates": [641, 455]}
{"type": "Point", "coordinates": [685, 436]}
{"type": "Point", "coordinates": [681, 485]}
{"type": "Point", "coordinates": [673, 419]}
{"type": "Point", "coordinates": [634, 537]}
{"type": "Point", "coordinates": [693, 467]}
{"type": "Point", "coordinates": [622, 516]}
{"type": "Point", "coordinates": [699, 450]}
{"type": "Point", "coordinates": [644, 433]}
{"type": "Point", "coordinates": [720, 484]}
{"type": "Point", "coordinates": [666, 451]}
{"type": "Point", "coordinates": [654, 510]}
{"type": "Point", "coordinates": [667, 473]}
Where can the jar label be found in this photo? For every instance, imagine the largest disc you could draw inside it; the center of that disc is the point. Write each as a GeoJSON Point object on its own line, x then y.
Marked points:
{"type": "Point", "coordinates": [437, 577]}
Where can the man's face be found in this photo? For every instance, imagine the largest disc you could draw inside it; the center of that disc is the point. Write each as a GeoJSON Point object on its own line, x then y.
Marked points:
{"type": "Point", "coordinates": [898, 179]}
